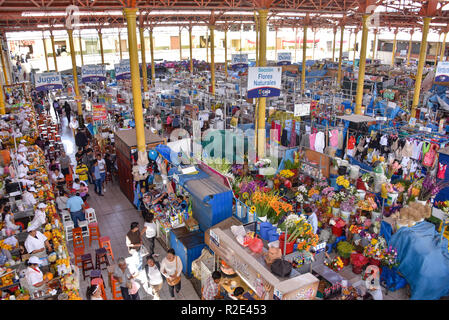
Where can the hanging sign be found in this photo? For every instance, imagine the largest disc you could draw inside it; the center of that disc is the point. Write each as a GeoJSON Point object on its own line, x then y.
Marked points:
{"type": "Point", "coordinates": [93, 73]}
{"type": "Point", "coordinates": [442, 72]}
{"type": "Point", "coordinates": [284, 58]}
{"type": "Point", "coordinates": [48, 81]}
{"type": "Point", "coordinates": [122, 70]}
{"type": "Point", "coordinates": [239, 60]}
{"type": "Point", "coordinates": [99, 113]}
{"type": "Point", "coordinates": [264, 82]}
{"type": "Point", "coordinates": [302, 109]}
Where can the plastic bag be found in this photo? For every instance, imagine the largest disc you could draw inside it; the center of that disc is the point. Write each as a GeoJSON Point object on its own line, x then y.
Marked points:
{"type": "Point", "coordinates": [256, 245]}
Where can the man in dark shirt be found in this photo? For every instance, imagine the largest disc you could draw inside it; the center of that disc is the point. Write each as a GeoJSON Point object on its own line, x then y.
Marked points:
{"type": "Point", "coordinates": [81, 139]}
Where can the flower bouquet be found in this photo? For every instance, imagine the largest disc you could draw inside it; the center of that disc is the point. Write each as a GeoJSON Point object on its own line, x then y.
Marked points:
{"type": "Point", "coordinates": [443, 206]}
{"type": "Point", "coordinates": [343, 182]}
{"type": "Point", "coordinates": [389, 258]}
{"type": "Point", "coordinates": [358, 261]}
{"type": "Point", "coordinates": [270, 205]}
{"type": "Point", "coordinates": [335, 264]}
{"type": "Point", "coordinates": [374, 250]}
{"type": "Point", "coordinates": [345, 249]}
{"type": "Point", "coordinates": [337, 225]}
{"type": "Point", "coordinates": [428, 187]}
{"type": "Point", "coordinates": [302, 195]}
{"type": "Point", "coordinates": [347, 206]}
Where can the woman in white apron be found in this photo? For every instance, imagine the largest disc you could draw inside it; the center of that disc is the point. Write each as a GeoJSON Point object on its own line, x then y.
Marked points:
{"type": "Point", "coordinates": [33, 275]}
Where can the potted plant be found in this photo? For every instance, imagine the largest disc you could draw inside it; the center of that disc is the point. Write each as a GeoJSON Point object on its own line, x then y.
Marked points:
{"type": "Point", "coordinates": [345, 249]}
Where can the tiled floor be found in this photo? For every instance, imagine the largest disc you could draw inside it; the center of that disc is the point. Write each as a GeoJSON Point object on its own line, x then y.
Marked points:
{"type": "Point", "coordinates": [114, 214]}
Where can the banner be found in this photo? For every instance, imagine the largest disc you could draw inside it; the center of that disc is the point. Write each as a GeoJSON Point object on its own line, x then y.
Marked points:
{"type": "Point", "coordinates": [264, 82]}
{"type": "Point", "coordinates": [302, 109]}
{"type": "Point", "coordinates": [123, 70]}
{"type": "Point", "coordinates": [442, 72]}
{"type": "Point", "coordinates": [99, 113]}
{"type": "Point", "coordinates": [284, 58]}
{"type": "Point", "coordinates": [239, 60]}
{"type": "Point", "coordinates": [93, 73]}
{"type": "Point", "coordinates": [48, 81]}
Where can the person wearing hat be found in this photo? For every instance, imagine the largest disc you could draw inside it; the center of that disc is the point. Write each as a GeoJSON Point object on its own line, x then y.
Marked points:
{"type": "Point", "coordinates": [8, 219]}
{"type": "Point", "coordinates": [33, 275]}
{"type": "Point", "coordinates": [40, 217]}
{"type": "Point", "coordinates": [20, 156]}
{"type": "Point", "coordinates": [36, 242]}
{"type": "Point", "coordinates": [93, 292]}
{"type": "Point", "coordinates": [28, 197]}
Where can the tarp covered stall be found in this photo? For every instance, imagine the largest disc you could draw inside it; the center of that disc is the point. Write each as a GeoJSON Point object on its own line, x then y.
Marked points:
{"type": "Point", "coordinates": [424, 260]}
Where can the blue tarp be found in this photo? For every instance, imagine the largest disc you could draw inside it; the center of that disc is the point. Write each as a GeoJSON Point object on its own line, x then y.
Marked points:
{"type": "Point", "coordinates": [165, 151]}
{"type": "Point", "coordinates": [184, 178]}
{"type": "Point", "coordinates": [424, 260]}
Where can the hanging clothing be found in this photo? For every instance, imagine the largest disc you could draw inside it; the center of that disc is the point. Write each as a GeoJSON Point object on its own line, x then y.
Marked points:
{"type": "Point", "coordinates": [341, 139]}
{"type": "Point", "coordinates": [333, 138]}
{"type": "Point", "coordinates": [305, 142]}
{"type": "Point", "coordinates": [407, 150]}
{"type": "Point", "coordinates": [416, 149]}
{"type": "Point", "coordinates": [441, 171]}
{"type": "Point", "coordinates": [312, 138]}
{"type": "Point", "coordinates": [284, 138]}
{"type": "Point", "coordinates": [319, 142]}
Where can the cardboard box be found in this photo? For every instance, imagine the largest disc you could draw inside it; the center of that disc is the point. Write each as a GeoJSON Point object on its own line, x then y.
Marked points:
{"type": "Point", "coordinates": [192, 224]}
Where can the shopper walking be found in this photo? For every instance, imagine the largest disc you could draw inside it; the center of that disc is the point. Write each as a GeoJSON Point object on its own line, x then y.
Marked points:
{"type": "Point", "coordinates": [154, 277]}
{"type": "Point", "coordinates": [102, 167]}
{"type": "Point", "coordinates": [68, 111]}
{"type": "Point", "coordinates": [149, 230]}
{"type": "Point", "coordinates": [81, 138]}
{"type": "Point", "coordinates": [56, 109]}
{"type": "Point", "coordinates": [125, 280]}
{"type": "Point", "coordinates": [65, 162]}
{"type": "Point", "coordinates": [134, 244]}
{"type": "Point", "coordinates": [97, 178]}
{"type": "Point", "coordinates": [171, 268]}
{"type": "Point", "coordinates": [82, 172]}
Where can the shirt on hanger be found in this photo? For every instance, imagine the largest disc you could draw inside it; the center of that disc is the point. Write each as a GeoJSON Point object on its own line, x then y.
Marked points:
{"type": "Point", "coordinates": [319, 142]}
{"type": "Point", "coordinates": [312, 138]}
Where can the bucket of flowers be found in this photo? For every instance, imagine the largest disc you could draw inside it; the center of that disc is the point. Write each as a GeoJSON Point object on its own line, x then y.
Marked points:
{"type": "Point", "coordinates": [374, 251]}
{"type": "Point", "coordinates": [336, 199]}
{"type": "Point", "coordinates": [347, 206]}
{"type": "Point", "coordinates": [443, 206]}
{"type": "Point", "coordinates": [358, 261]}
{"type": "Point", "coordinates": [389, 258]}
{"type": "Point", "coordinates": [335, 264]}
{"type": "Point", "coordinates": [345, 249]}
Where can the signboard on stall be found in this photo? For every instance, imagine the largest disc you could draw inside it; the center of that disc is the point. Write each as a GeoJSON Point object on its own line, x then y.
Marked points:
{"type": "Point", "coordinates": [93, 73]}
{"type": "Point", "coordinates": [122, 70]}
{"type": "Point", "coordinates": [302, 109]}
{"type": "Point", "coordinates": [284, 58]}
{"type": "Point", "coordinates": [99, 113]}
{"type": "Point", "coordinates": [239, 60]}
{"type": "Point", "coordinates": [442, 72]}
{"type": "Point", "coordinates": [264, 82]}
{"type": "Point", "coordinates": [48, 81]}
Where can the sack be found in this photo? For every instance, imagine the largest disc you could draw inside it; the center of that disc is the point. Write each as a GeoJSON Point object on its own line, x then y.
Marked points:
{"type": "Point", "coordinates": [272, 255]}
{"type": "Point", "coordinates": [281, 268]}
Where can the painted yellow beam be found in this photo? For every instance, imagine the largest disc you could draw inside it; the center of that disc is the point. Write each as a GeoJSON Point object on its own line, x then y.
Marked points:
{"type": "Point", "coordinates": [75, 75]}
{"type": "Point", "coordinates": [144, 63]}
{"type": "Point", "coordinates": [45, 53]}
{"type": "Point", "coordinates": [393, 53]}
{"type": "Point", "coordinates": [191, 49]}
{"type": "Point", "coordinates": [226, 51]}
{"type": "Point", "coordinates": [120, 46]}
{"type": "Point", "coordinates": [409, 52]}
{"type": "Point", "coordinates": [333, 44]}
{"type": "Point", "coordinates": [180, 45]}
{"type": "Point", "coordinates": [361, 76]}
{"type": "Point", "coordinates": [421, 61]}
{"type": "Point", "coordinates": [340, 55]}
{"type": "Point", "coordinates": [355, 46]}
{"type": "Point", "coordinates": [100, 37]}
{"type": "Point", "coordinates": [130, 14]}
{"type": "Point", "coordinates": [81, 50]}
{"type": "Point", "coordinates": [153, 72]}
{"type": "Point", "coordinates": [5, 72]}
{"type": "Point", "coordinates": [212, 58]}
{"type": "Point", "coordinates": [52, 38]}
{"type": "Point", "coordinates": [435, 61]}
{"type": "Point", "coordinates": [443, 48]}
{"type": "Point", "coordinates": [304, 58]}
{"type": "Point", "coordinates": [2, 100]}
{"type": "Point", "coordinates": [263, 13]}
